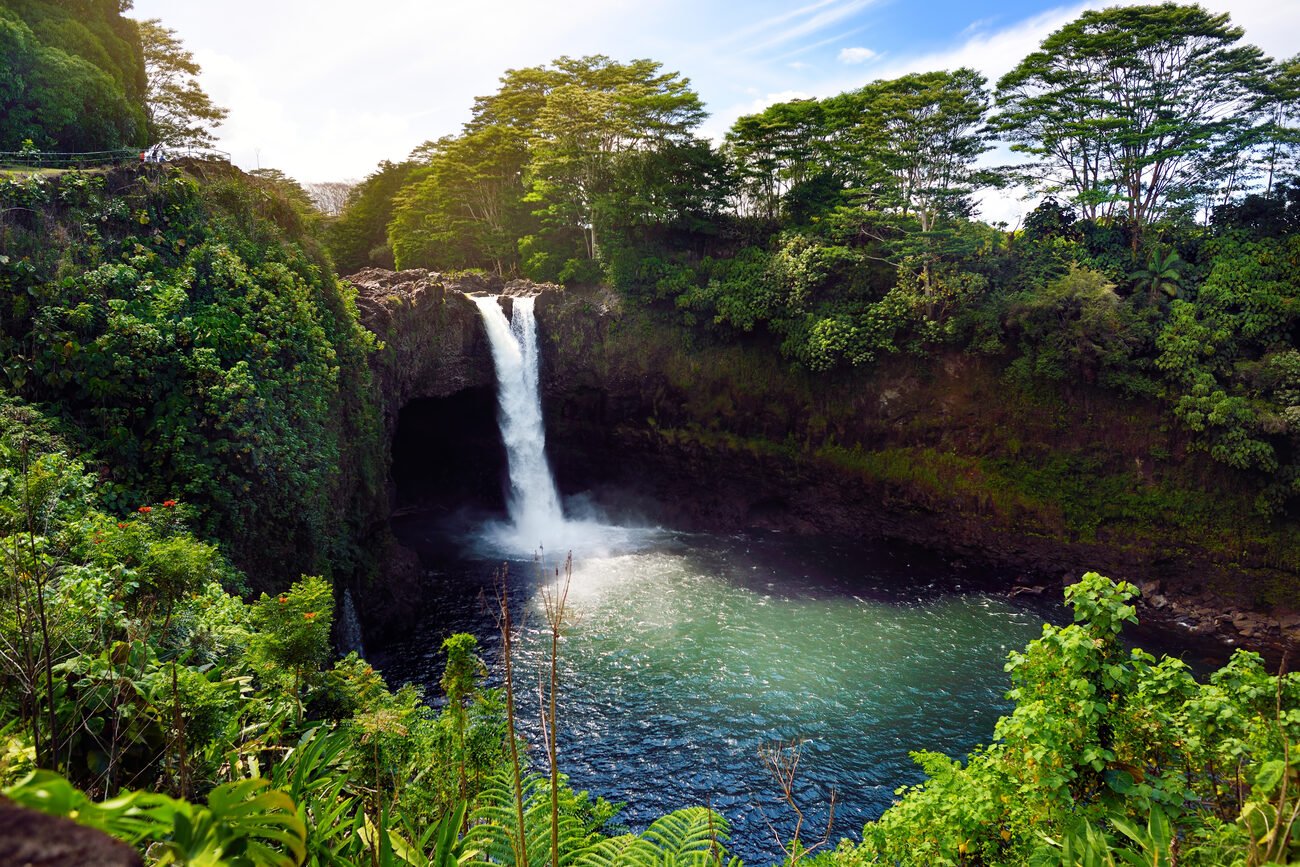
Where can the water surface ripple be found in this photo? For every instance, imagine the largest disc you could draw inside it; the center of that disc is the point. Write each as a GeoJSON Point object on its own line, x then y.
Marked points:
{"type": "Point", "coordinates": [684, 658]}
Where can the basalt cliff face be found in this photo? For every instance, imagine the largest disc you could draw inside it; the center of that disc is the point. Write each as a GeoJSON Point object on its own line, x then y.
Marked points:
{"type": "Point", "coordinates": [432, 343]}
{"type": "Point", "coordinates": [1024, 490]}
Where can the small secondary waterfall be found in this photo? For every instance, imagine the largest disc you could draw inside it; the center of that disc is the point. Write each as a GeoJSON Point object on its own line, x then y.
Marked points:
{"type": "Point", "coordinates": [349, 630]}
{"type": "Point", "coordinates": [534, 503]}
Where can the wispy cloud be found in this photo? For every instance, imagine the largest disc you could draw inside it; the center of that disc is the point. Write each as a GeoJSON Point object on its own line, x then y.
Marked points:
{"type": "Point", "coordinates": [977, 25]}
{"type": "Point", "coordinates": [856, 55]}
{"type": "Point", "coordinates": [805, 49]}
{"type": "Point", "coordinates": [774, 21]}
{"type": "Point", "coordinates": [807, 21]}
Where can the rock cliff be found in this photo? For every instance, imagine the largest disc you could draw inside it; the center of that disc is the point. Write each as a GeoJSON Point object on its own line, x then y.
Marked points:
{"type": "Point", "coordinates": [1028, 490]}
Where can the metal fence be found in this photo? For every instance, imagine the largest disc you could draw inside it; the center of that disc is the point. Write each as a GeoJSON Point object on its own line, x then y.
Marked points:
{"type": "Point", "coordinates": [60, 159]}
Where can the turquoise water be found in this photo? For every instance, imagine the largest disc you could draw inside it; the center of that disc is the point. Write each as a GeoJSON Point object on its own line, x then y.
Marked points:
{"type": "Point", "coordinates": [687, 654]}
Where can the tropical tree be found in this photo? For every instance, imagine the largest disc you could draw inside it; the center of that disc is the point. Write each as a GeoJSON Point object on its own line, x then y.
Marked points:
{"type": "Point", "coordinates": [359, 237]}
{"type": "Point", "coordinates": [179, 112]}
{"type": "Point", "coordinates": [775, 150]}
{"type": "Point", "coordinates": [600, 111]}
{"type": "Point", "coordinates": [1283, 151]}
{"type": "Point", "coordinates": [464, 208]}
{"type": "Point", "coordinates": [916, 143]}
{"type": "Point", "coordinates": [55, 97]}
{"type": "Point", "coordinates": [1161, 277]}
{"type": "Point", "coordinates": [1117, 106]}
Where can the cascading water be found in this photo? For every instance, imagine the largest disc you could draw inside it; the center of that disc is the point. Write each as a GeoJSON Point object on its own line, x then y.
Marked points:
{"type": "Point", "coordinates": [534, 503]}
{"type": "Point", "coordinates": [537, 520]}
{"type": "Point", "coordinates": [349, 630]}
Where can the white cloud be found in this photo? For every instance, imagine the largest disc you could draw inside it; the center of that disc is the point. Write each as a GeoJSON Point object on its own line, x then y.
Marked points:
{"type": "Point", "coordinates": [795, 24]}
{"type": "Point", "coordinates": [856, 55]}
{"type": "Point", "coordinates": [994, 53]}
{"type": "Point", "coordinates": [323, 92]}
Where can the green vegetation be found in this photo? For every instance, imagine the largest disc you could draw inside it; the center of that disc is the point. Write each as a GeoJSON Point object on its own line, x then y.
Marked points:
{"type": "Point", "coordinates": [1109, 757]}
{"type": "Point", "coordinates": [199, 343]}
{"type": "Point", "coordinates": [72, 78]}
{"type": "Point", "coordinates": [549, 173]}
{"type": "Point", "coordinates": [80, 77]}
{"type": "Point", "coordinates": [187, 423]}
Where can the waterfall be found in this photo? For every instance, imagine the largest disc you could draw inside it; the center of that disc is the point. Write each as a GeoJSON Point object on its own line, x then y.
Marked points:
{"type": "Point", "coordinates": [349, 628]}
{"type": "Point", "coordinates": [534, 503]}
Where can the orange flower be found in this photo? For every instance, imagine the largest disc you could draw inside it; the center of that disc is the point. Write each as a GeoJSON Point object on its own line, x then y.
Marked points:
{"type": "Point", "coordinates": [284, 599]}
{"type": "Point", "coordinates": [309, 615]}
{"type": "Point", "coordinates": [121, 525]}
{"type": "Point", "coordinates": [144, 510]}
{"type": "Point", "coordinates": [167, 504]}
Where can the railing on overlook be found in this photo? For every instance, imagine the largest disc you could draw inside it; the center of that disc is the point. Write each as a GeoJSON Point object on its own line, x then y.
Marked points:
{"type": "Point", "coordinates": [85, 159]}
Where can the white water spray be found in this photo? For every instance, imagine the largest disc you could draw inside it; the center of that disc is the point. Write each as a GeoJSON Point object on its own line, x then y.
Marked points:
{"type": "Point", "coordinates": [534, 503]}
{"type": "Point", "coordinates": [536, 519]}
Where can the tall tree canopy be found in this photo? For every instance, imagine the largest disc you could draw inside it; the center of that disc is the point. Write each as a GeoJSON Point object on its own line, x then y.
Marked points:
{"type": "Point", "coordinates": [775, 151]}
{"type": "Point", "coordinates": [907, 145]}
{"type": "Point", "coordinates": [1120, 106]}
{"type": "Point", "coordinates": [545, 166]}
{"type": "Point", "coordinates": [917, 140]}
{"type": "Point", "coordinates": [599, 113]}
{"type": "Point", "coordinates": [465, 206]}
{"type": "Point", "coordinates": [71, 79]}
{"type": "Point", "coordinates": [359, 237]}
{"type": "Point", "coordinates": [180, 114]}
{"type": "Point", "coordinates": [1282, 150]}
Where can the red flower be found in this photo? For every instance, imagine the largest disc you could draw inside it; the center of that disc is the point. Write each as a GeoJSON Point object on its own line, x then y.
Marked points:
{"type": "Point", "coordinates": [167, 504]}
{"type": "Point", "coordinates": [310, 615]}
{"type": "Point", "coordinates": [144, 510]}
{"type": "Point", "coordinates": [121, 525]}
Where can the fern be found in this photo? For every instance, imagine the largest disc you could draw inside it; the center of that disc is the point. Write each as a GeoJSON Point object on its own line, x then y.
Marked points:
{"type": "Point", "coordinates": [692, 837]}
{"type": "Point", "coordinates": [494, 824]}
{"type": "Point", "coordinates": [244, 823]}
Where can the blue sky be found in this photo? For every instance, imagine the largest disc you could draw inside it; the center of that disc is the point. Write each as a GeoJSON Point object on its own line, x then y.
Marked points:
{"type": "Point", "coordinates": [325, 89]}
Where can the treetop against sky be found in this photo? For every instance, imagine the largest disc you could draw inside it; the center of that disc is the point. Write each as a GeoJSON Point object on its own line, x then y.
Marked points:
{"type": "Point", "coordinates": [325, 90]}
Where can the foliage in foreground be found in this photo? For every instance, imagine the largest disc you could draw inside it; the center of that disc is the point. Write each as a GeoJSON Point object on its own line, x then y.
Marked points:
{"type": "Point", "coordinates": [1110, 756]}
{"type": "Point", "coordinates": [140, 697]}
{"type": "Point", "coordinates": [127, 663]}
